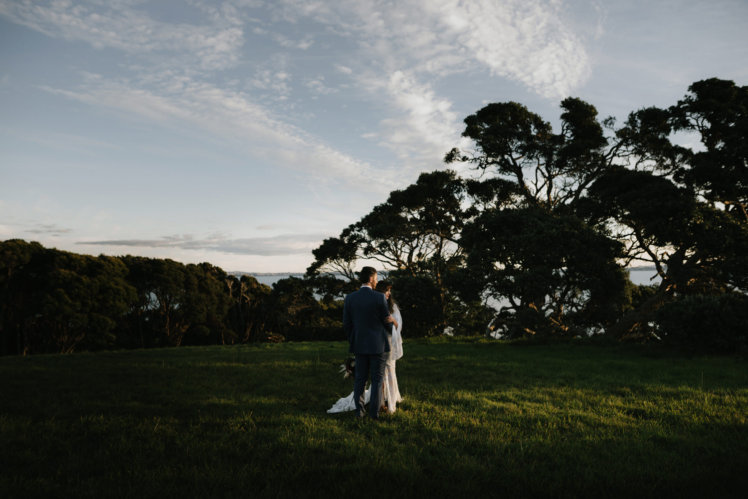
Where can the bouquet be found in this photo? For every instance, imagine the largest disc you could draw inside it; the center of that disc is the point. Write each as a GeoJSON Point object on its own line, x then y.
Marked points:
{"type": "Point", "coordinates": [347, 367]}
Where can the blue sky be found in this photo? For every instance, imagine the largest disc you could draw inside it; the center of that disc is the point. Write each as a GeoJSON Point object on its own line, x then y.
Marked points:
{"type": "Point", "coordinates": [243, 132]}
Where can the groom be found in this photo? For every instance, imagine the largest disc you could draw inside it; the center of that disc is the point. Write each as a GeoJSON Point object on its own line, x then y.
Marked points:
{"type": "Point", "coordinates": [368, 325]}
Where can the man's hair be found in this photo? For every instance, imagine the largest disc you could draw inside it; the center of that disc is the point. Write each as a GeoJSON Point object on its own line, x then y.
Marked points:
{"type": "Point", "coordinates": [365, 275]}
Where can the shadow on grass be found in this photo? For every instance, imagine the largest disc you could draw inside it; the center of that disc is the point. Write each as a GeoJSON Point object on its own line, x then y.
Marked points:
{"type": "Point", "coordinates": [478, 418]}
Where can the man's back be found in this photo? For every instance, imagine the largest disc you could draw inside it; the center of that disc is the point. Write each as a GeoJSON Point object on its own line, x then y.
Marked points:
{"type": "Point", "coordinates": [364, 321]}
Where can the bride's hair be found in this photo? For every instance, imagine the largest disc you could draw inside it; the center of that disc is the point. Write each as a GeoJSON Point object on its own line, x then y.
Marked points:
{"type": "Point", "coordinates": [383, 287]}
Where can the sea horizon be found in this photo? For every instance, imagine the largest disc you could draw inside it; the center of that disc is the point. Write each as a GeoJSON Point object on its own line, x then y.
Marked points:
{"type": "Point", "coordinates": [638, 275]}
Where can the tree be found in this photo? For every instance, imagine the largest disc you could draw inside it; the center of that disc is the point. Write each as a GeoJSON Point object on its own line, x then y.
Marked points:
{"type": "Point", "coordinates": [250, 310]}
{"type": "Point", "coordinates": [163, 287]}
{"type": "Point", "coordinates": [74, 301]}
{"type": "Point", "coordinates": [679, 209]}
{"type": "Point", "coordinates": [546, 169]}
{"type": "Point", "coordinates": [298, 315]}
{"type": "Point", "coordinates": [415, 230]}
{"type": "Point", "coordinates": [414, 233]}
{"type": "Point", "coordinates": [208, 303]}
{"type": "Point", "coordinates": [717, 110]}
{"type": "Point", "coordinates": [523, 246]}
{"type": "Point", "coordinates": [15, 293]}
{"type": "Point", "coordinates": [553, 274]}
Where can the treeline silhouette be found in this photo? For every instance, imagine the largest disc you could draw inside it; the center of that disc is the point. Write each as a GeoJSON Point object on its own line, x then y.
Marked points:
{"type": "Point", "coordinates": [534, 245]}
{"type": "Point", "coordinates": [548, 222]}
{"type": "Point", "coordinates": [57, 301]}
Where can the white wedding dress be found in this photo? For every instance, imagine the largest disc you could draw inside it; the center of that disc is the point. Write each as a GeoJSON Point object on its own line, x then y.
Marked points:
{"type": "Point", "coordinates": [389, 383]}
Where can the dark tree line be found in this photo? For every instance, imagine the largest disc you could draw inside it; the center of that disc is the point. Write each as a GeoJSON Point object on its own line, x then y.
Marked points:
{"type": "Point", "coordinates": [547, 226]}
{"type": "Point", "coordinates": [536, 243]}
{"type": "Point", "coordinates": [56, 301]}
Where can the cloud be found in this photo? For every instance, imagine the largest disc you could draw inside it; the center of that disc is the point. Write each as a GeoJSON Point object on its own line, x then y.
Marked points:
{"type": "Point", "coordinates": [428, 124]}
{"type": "Point", "coordinates": [173, 93]}
{"type": "Point", "coordinates": [399, 56]}
{"type": "Point", "coordinates": [528, 41]}
{"type": "Point", "coordinates": [275, 81]}
{"type": "Point", "coordinates": [288, 244]}
{"type": "Point", "coordinates": [403, 52]}
{"type": "Point", "coordinates": [49, 230]}
{"type": "Point", "coordinates": [118, 25]}
{"type": "Point", "coordinates": [229, 115]}
{"type": "Point", "coordinates": [318, 86]}
{"type": "Point", "coordinates": [343, 69]}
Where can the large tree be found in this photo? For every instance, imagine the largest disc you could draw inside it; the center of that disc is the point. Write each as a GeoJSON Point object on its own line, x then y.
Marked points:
{"type": "Point", "coordinates": [414, 234]}
{"type": "Point", "coordinates": [414, 231]}
{"type": "Point", "coordinates": [545, 169]}
{"type": "Point", "coordinates": [681, 209]}
{"type": "Point", "coordinates": [527, 250]}
{"type": "Point", "coordinates": [716, 110]}
{"type": "Point", "coordinates": [551, 274]}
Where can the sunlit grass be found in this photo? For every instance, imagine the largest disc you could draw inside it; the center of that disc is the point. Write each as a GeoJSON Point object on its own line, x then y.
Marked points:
{"type": "Point", "coordinates": [478, 418]}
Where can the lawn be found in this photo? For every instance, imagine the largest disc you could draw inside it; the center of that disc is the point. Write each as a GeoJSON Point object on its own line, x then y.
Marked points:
{"type": "Point", "coordinates": [479, 418]}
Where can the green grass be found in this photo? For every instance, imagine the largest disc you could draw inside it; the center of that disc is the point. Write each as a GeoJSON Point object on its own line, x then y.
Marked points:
{"type": "Point", "coordinates": [479, 418]}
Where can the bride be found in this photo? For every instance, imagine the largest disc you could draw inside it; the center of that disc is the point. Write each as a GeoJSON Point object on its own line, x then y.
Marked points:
{"type": "Point", "coordinates": [389, 383]}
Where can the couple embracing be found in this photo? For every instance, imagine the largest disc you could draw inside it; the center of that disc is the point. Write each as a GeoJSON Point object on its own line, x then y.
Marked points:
{"type": "Point", "coordinates": [372, 324]}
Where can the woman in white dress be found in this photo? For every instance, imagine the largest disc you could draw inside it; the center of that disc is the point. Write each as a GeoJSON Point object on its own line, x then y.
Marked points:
{"type": "Point", "coordinates": [389, 383]}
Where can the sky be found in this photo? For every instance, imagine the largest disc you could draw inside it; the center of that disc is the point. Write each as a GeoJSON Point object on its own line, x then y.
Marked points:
{"type": "Point", "coordinates": [244, 132]}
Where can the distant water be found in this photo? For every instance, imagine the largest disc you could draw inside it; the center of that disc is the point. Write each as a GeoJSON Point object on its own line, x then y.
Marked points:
{"type": "Point", "coordinates": [637, 275]}
{"type": "Point", "coordinates": [646, 276]}
{"type": "Point", "coordinates": [269, 279]}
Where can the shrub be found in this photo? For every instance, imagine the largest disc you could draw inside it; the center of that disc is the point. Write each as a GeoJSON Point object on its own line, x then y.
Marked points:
{"type": "Point", "coordinates": [706, 322]}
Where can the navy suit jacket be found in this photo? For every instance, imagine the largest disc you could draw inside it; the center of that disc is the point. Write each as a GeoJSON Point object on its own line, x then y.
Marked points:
{"type": "Point", "coordinates": [364, 315]}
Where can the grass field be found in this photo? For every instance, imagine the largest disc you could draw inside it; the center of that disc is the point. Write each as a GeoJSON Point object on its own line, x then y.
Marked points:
{"type": "Point", "coordinates": [479, 419]}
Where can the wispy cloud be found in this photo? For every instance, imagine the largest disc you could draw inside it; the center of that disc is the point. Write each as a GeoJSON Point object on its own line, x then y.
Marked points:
{"type": "Point", "coordinates": [48, 230]}
{"type": "Point", "coordinates": [288, 244]}
{"type": "Point", "coordinates": [403, 50]}
{"type": "Point", "coordinates": [398, 56]}
{"type": "Point", "coordinates": [174, 95]}
{"type": "Point", "coordinates": [232, 115]}
{"type": "Point", "coordinates": [524, 40]}
{"type": "Point", "coordinates": [428, 122]}
{"type": "Point", "coordinates": [120, 25]}
{"type": "Point", "coordinates": [528, 41]}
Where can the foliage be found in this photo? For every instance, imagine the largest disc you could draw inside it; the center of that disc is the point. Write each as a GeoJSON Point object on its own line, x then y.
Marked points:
{"type": "Point", "coordinates": [713, 322]}
{"type": "Point", "coordinates": [415, 230]}
{"type": "Point", "coordinates": [61, 301]}
{"type": "Point", "coordinates": [300, 316]}
{"type": "Point", "coordinates": [418, 300]}
{"type": "Point", "coordinates": [546, 169]}
{"type": "Point", "coordinates": [55, 301]}
{"type": "Point", "coordinates": [251, 309]}
{"type": "Point", "coordinates": [558, 276]}
{"type": "Point", "coordinates": [683, 209]}
{"type": "Point", "coordinates": [717, 110]}
{"type": "Point", "coordinates": [414, 233]}
{"type": "Point", "coordinates": [679, 209]}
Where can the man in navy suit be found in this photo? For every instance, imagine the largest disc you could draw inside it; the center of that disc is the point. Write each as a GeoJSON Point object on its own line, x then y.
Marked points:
{"type": "Point", "coordinates": [368, 325]}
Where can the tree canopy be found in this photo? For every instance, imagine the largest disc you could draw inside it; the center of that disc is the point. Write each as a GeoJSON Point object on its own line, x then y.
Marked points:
{"type": "Point", "coordinates": [551, 220]}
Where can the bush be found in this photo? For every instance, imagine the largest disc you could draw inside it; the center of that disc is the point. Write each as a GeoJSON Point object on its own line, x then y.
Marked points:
{"type": "Point", "coordinates": [706, 322]}
{"type": "Point", "coordinates": [420, 304]}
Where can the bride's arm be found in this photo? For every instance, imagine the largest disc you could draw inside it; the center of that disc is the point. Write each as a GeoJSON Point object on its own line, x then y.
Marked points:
{"type": "Point", "coordinates": [392, 321]}
{"type": "Point", "coordinates": [398, 319]}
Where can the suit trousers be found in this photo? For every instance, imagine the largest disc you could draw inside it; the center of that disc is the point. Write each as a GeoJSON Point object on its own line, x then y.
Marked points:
{"type": "Point", "coordinates": [369, 365]}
